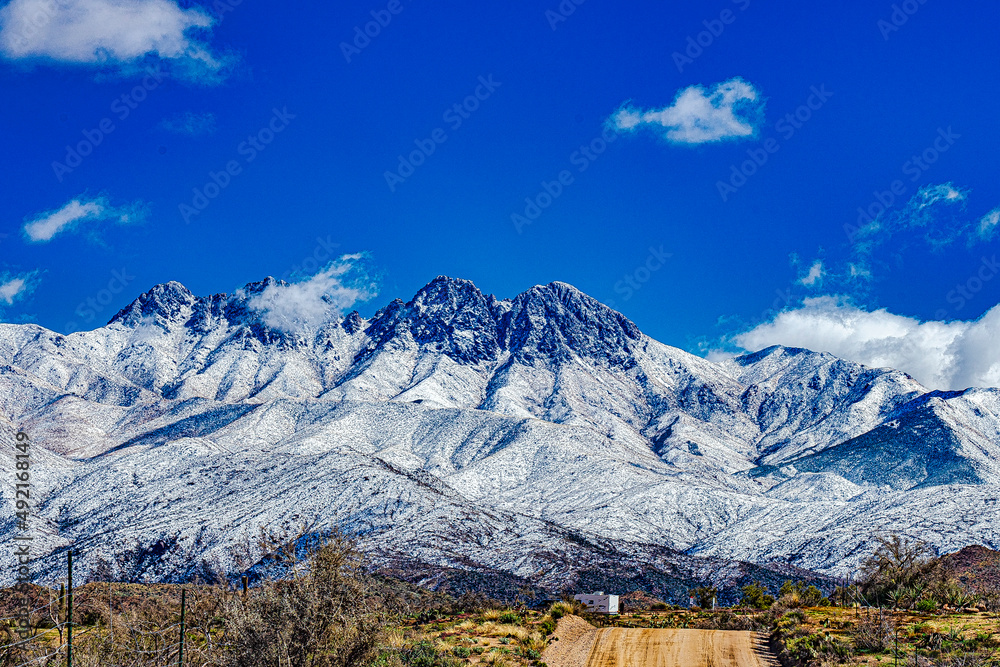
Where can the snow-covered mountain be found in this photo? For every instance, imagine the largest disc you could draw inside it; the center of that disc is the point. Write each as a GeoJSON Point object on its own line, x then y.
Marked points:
{"type": "Point", "coordinates": [543, 438]}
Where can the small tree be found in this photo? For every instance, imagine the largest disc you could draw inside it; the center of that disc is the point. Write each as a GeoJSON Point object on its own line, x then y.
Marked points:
{"type": "Point", "coordinates": [755, 596]}
{"type": "Point", "coordinates": [897, 563]}
{"type": "Point", "coordinates": [799, 594]}
{"type": "Point", "coordinates": [704, 596]}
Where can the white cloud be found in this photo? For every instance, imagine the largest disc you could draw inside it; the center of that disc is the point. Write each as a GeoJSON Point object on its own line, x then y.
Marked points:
{"type": "Point", "coordinates": [11, 289]}
{"type": "Point", "coordinates": [189, 123]}
{"type": "Point", "coordinates": [313, 302]}
{"type": "Point", "coordinates": [16, 287]}
{"type": "Point", "coordinates": [924, 212]}
{"type": "Point", "coordinates": [814, 275]}
{"type": "Point", "coordinates": [108, 33]}
{"type": "Point", "coordinates": [932, 194]}
{"type": "Point", "coordinates": [988, 225]}
{"type": "Point", "coordinates": [940, 355]}
{"type": "Point", "coordinates": [730, 110]}
{"type": "Point", "coordinates": [45, 226]}
{"type": "Point", "coordinates": [858, 271]}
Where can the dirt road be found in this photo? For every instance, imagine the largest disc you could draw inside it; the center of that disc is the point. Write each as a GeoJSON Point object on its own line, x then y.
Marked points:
{"type": "Point", "coordinates": [623, 647]}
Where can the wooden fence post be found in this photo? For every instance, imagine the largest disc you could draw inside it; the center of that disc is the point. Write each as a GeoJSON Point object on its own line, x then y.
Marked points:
{"type": "Point", "coordinates": [180, 655]}
{"type": "Point", "coordinates": [69, 609]}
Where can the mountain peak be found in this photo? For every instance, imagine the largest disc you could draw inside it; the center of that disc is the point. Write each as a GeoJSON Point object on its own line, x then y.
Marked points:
{"type": "Point", "coordinates": [446, 291]}
{"type": "Point", "coordinates": [167, 301]}
{"type": "Point", "coordinates": [259, 286]}
{"type": "Point", "coordinates": [557, 320]}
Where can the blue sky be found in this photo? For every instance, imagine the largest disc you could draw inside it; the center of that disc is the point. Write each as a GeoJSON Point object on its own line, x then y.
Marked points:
{"type": "Point", "coordinates": [700, 167]}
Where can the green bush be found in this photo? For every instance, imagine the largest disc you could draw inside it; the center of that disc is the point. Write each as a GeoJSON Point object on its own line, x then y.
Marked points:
{"type": "Point", "coordinates": [560, 609]}
{"type": "Point", "coordinates": [811, 647]}
{"type": "Point", "coordinates": [704, 596]}
{"type": "Point", "coordinates": [510, 618]}
{"type": "Point", "coordinates": [428, 616]}
{"type": "Point", "coordinates": [755, 596]}
{"type": "Point", "coordinates": [423, 654]}
{"type": "Point", "coordinates": [926, 606]}
{"type": "Point", "coordinates": [461, 652]}
{"type": "Point", "coordinates": [802, 594]}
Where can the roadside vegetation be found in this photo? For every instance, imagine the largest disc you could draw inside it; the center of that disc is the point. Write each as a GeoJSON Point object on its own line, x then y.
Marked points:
{"type": "Point", "coordinates": [326, 610]}
{"type": "Point", "coordinates": [907, 608]}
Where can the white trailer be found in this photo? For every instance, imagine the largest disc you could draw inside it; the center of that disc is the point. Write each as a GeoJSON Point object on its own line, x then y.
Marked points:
{"type": "Point", "coordinates": [599, 602]}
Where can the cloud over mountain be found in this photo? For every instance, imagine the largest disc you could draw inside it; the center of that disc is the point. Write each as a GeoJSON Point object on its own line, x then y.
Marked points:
{"type": "Point", "coordinates": [317, 300]}
{"type": "Point", "coordinates": [942, 355]}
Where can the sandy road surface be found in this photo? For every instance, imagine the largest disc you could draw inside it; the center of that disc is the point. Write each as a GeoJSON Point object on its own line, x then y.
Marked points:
{"type": "Point", "coordinates": [624, 647]}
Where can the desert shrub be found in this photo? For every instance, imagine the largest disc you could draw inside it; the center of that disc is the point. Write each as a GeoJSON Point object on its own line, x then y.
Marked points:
{"type": "Point", "coordinates": [425, 654]}
{"type": "Point", "coordinates": [548, 625]}
{"type": "Point", "coordinates": [461, 651]}
{"type": "Point", "coordinates": [799, 594]}
{"type": "Point", "coordinates": [926, 606]}
{"type": "Point", "coordinates": [428, 616]}
{"type": "Point", "coordinates": [901, 568]}
{"type": "Point", "coordinates": [326, 616]}
{"type": "Point", "coordinates": [815, 646]}
{"type": "Point", "coordinates": [789, 621]}
{"type": "Point", "coordinates": [873, 631]}
{"type": "Point", "coordinates": [510, 618]}
{"type": "Point", "coordinates": [755, 596]}
{"type": "Point", "coordinates": [491, 615]}
{"type": "Point", "coordinates": [659, 606]}
{"type": "Point", "coordinates": [560, 609]}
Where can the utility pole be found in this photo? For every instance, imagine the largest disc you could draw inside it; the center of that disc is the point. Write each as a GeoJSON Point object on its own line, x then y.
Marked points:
{"type": "Point", "coordinates": [69, 610]}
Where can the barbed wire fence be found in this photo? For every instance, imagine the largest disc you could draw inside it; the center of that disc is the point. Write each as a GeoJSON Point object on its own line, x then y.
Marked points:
{"type": "Point", "coordinates": [57, 638]}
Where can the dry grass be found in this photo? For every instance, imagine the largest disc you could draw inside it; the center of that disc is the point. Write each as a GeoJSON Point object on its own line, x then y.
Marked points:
{"type": "Point", "coordinates": [487, 640]}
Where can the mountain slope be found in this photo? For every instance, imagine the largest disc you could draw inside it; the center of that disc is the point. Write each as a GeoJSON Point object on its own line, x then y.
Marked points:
{"type": "Point", "coordinates": [525, 436]}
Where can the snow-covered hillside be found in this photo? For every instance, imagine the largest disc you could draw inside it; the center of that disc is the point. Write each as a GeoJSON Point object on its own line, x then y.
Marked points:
{"type": "Point", "coordinates": [537, 437]}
